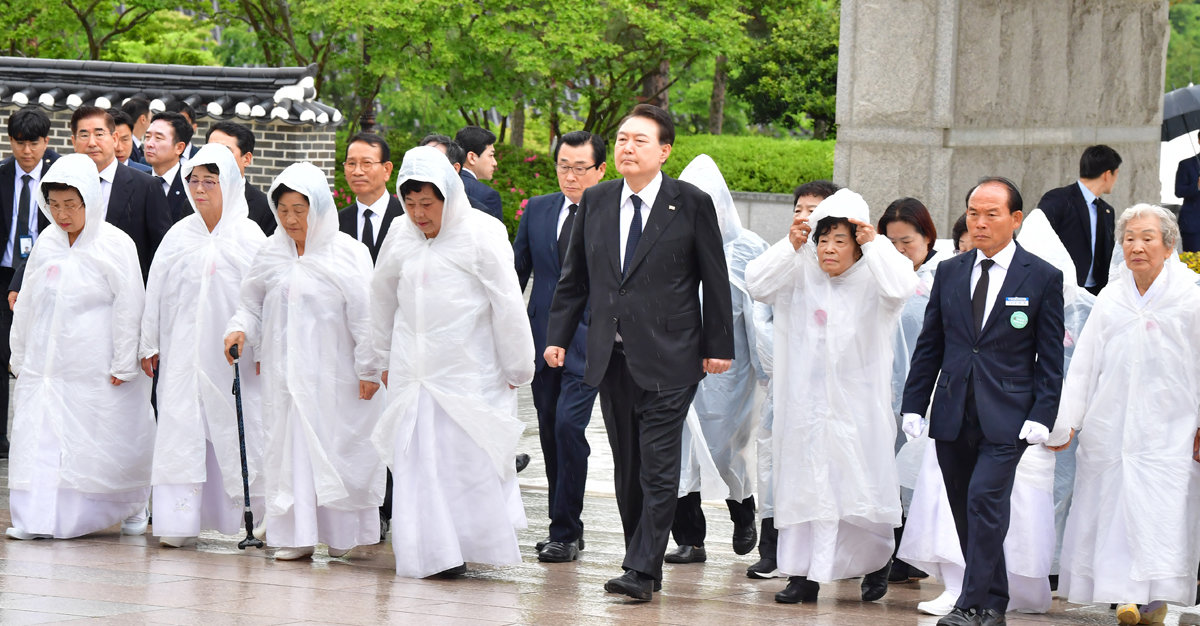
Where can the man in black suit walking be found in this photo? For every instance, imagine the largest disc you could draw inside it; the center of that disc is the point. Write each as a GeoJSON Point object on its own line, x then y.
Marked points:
{"type": "Point", "coordinates": [368, 168]}
{"type": "Point", "coordinates": [240, 140]}
{"type": "Point", "coordinates": [480, 164]}
{"type": "Point", "coordinates": [992, 343]}
{"type": "Point", "coordinates": [166, 138]}
{"type": "Point", "coordinates": [642, 249]}
{"type": "Point", "coordinates": [124, 142]}
{"type": "Point", "coordinates": [1082, 220]}
{"type": "Point", "coordinates": [20, 219]}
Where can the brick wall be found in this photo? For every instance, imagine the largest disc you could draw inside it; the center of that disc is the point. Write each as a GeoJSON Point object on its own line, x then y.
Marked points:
{"type": "Point", "coordinates": [277, 144]}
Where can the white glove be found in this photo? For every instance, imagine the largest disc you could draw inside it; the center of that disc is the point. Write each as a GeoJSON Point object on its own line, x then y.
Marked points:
{"type": "Point", "coordinates": [913, 425]}
{"type": "Point", "coordinates": [1034, 432]}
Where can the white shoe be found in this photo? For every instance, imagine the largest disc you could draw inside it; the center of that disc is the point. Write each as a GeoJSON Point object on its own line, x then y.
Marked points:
{"type": "Point", "coordinates": [136, 524]}
{"type": "Point", "coordinates": [941, 605]}
{"type": "Point", "coordinates": [176, 542]}
{"type": "Point", "coordinates": [293, 554]}
{"type": "Point", "coordinates": [337, 554]}
{"type": "Point", "coordinates": [16, 533]}
{"type": "Point", "coordinates": [260, 531]}
{"type": "Point", "coordinates": [1189, 618]}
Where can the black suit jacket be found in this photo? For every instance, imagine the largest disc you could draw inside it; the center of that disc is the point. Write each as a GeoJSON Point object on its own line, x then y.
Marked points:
{"type": "Point", "coordinates": [348, 223]}
{"type": "Point", "coordinates": [260, 210]}
{"type": "Point", "coordinates": [8, 194]}
{"type": "Point", "coordinates": [657, 308]}
{"type": "Point", "coordinates": [176, 198]}
{"type": "Point", "coordinates": [1071, 219]}
{"type": "Point", "coordinates": [136, 154]}
{"type": "Point", "coordinates": [482, 196]}
{"type": "Point", "coordinates": [1016, 361]}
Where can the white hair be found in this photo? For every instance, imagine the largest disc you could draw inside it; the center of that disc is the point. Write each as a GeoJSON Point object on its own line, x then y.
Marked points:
{"type": "Point", "coordinates": [1168, 227]}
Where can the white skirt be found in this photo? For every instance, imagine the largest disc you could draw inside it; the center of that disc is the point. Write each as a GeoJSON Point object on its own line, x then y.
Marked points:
{"type": "Point", "coordinates": [47, 509]}
{"type": "Point", "coordinates": [449, 505]}
{"type": "Point", "coordinates": [305, 524]}
{"type": "Point", "coordinates": [185, 510]}
{"type": "Point", "coordinates": [825, 551]}
{"type": "Point", "coordinates": [931, 543]}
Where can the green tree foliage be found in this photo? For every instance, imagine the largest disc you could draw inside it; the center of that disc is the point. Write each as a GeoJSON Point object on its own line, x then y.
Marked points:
{"type": "Point", "coordinates": [791, 70]}
{"type": "Point", "coordinates": [1183, 50]}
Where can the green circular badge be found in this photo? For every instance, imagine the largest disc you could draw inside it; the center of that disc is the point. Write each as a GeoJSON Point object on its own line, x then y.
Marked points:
{"type": "Point", "coordinates": [1019, 320]}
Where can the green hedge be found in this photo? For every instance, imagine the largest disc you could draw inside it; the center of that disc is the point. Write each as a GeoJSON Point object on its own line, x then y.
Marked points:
{"type": "Point", "coordinates": [749, 163]}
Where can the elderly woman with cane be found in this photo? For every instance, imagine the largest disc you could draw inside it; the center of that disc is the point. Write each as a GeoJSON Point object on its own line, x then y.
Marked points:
{"type": "Point", "coordinates": [83, 431]}
{"type": "Point", "coordinates": [192, 293]}
{"type": "Point", "coordinates": [304, 309]}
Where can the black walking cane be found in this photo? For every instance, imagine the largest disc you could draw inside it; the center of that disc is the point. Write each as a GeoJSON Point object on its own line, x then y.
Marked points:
{"type": "Point", "coordinates": [250, 540]}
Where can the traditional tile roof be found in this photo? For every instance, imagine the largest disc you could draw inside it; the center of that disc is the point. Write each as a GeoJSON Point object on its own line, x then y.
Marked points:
{"type": "Point", "coordinates": [284, 93]}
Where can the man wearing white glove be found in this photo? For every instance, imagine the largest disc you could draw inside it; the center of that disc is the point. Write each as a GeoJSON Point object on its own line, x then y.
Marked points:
{"type": "Point", "coordinates": [992, 344]}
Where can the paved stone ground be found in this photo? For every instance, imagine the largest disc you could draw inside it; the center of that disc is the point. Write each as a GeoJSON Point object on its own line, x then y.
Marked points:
{"type": "Point", "coordinates": [108, 578]}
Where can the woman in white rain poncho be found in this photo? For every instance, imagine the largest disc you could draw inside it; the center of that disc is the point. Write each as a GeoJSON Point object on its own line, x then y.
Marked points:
{"type": "Point", "coordinates": [450, 323]}
{"type": "Point", "coordinates": [304, 309]}
{"type": "Point", "coordinates": [931, 540]}
{"type": "Point", "coordinates": [837, 497]}
{"type": "Point", "coordinates": [192, 292]}
{"type": "Point", "coordinates": [724, 403]}
{"type": "Point", "coordinates": [83, 431]}
{"type": "Point", "coordinates": [1132, 395]}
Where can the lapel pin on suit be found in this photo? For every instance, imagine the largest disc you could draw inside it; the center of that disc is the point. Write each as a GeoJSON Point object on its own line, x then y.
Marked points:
{"type": "Point", "coordinates": [670, 207]}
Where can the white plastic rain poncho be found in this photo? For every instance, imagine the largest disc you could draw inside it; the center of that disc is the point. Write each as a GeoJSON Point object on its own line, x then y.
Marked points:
{"type": "Point", "coordinates": [837, 497]}
{"type": "Point", "coordinates": [79, 443]}
{"type": "Point", "coordinates": [308, 317]}
{"type": "Point", "coordinates": [724, 403]}
{"type": "Point", "coordinates": [449, 321]}
{"type": "Point", "coordinates": [192, 292]}
{"type": "Point", "coordinates": [1132, 394]}
{"type": "Point", "coordinates": [930, 538]}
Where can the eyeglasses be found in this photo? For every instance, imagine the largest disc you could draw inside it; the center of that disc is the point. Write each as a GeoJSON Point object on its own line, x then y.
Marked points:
{"type": "Point", "coordinates": [208, 183]}
{"type": "Point", "coordinates": [578, 170]}
{"type": "Point", "coordinates": [68, 206]}
{"type": "Point", "coordinates": [365, 166]}
{"type": "Point", "coordinates": [85, 135]}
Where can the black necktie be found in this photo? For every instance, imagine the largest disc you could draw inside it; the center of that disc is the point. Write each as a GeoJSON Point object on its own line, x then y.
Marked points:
{"type": "Point", "coordinates": [564, 235]}
{"type": "Point", "coordinates": [635, 234]}
{"type": "Point", "coordinates": [979, 298]}
{"type": "Point", "coordinates": [368, 230]}
{"type": "Point", "coordinates": [22, 216]}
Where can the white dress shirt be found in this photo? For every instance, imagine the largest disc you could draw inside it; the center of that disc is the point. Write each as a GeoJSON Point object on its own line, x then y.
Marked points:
{"type": "Point", "coordinates": [563, 212]}
{"type": "Point", "coordinates": [34, 177]}
{"type": "Point", "coordinates": [996, 275]}
{"type": "Point", "coordinates": [378, 208]}
{"type": "Point", "coordinates": [106, 182]}
{"type": "Point", "coordinates": [169, 177]}
{"type": "Point", "coordinates": [1089, 199]}
{"type": "Point", "coordinates": [648, 194]}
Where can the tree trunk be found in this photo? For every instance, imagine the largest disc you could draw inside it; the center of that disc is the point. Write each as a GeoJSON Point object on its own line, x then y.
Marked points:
{"type": "Point", "coordinates": [503, 128]}
{"type": "Point", "coordinates": [517, 136]}
{"type": "Point", "coordinates": [716, 104]}
{"type": "Point", "coordinates": [820, 128]}
{"type": "Point", "coordinates": [655, 85]}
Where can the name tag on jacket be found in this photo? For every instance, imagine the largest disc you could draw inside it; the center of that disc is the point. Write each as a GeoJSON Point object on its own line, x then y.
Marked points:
{"type": "Point", "coordinates": [1016, 302]}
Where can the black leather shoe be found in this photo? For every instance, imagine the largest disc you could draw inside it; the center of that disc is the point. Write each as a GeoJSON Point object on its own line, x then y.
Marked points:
{"type": "Point", "coordinates": [744, 538]}
{"type": "Point", "coordinates": [453, 572]}
{"type": "Point", "coordinates": [559, 552]}
{"type": "Point", "coordinates": [959, 617]}
{"type": "Point", "coordinates": [875, 584]}
{"type": "Point", "coordinates": [686, 554]}
{"type": "Point", "coordinates": [632, 584]}
{"type": "Point", "coordinates": [992, 617]}
{"type": "Point", "coordinates": [764, 568]}
{"type": "Point", "coordinates": [1054, 586]}
{"type": "Point", "coordinates": [799, 589]}
{"type": "Point", "coordinates": [542, 544]}
{"type": "Point", "coordinates": [522, 462]}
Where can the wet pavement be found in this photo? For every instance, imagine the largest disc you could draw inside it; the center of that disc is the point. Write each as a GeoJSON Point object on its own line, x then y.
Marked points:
{"type": "Point", "coordinates": [108, 578]}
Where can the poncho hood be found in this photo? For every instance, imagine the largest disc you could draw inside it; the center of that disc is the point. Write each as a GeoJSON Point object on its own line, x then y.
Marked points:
{"type": "Point", "coordinates": [233, 187]}
{"type": "Point", "coordinates": [309, 181]}
{"type": "Point", "coordinates": [78, 171]}
{"type": "Point", "coordinates": [844, 203]}
{"type": "Point", "coordinates": [704, 173]}
{"type": "Point", "coordinates": [428, 164]}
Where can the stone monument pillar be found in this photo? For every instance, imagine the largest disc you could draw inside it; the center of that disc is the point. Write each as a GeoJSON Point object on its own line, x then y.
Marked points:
{"type": "Point", "coordinates": [934, 94]}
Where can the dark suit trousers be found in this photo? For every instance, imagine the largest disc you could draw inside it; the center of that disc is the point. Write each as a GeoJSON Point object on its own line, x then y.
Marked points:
{"type": "Point", "coordinates": [564, 407]}
{"type": "Point", "coordinates": [979, 477]}
{"type": "Point", "coordinates": [645, 430]}
{"type": "Point", "coordinates": [690, 528]}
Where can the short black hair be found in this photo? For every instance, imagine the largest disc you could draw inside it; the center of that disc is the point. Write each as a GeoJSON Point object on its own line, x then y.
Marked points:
{"type": "Point", "coordinates": [120, 118]}
{"type": "Point", "coordinates": [48, 187]}
{"type": "Point", "coordinates": [282, 189]}
{"type": "Point", "coordinates": [179, 125]}
{"type": "Point", "coordinates": [413, 185]}
{"type": "Point", "coordinates": [960, 229]}
{"type": "Point", "coordinates": [28, 124]}
{"type": "Point", "coordinates": [434, 139]}
{"type": "Point", "coordinates": [1097, 160]}
{"type": "Point", "coordinates": [1015, 203]}
{"type": "Point", "coordinates": [666, 125]}
{"type": "Point", "coordinates": [85, 111]}
{"type": "Point", "coordinates": [578, 138]}
{"type": "Point", "coordinates": [475, 139]}
{"type": "Point", "coordinates": [183, 108]}
{"type": "Point", "coordinates": [818, 188]}
{"type": "Point", "coordinates": [371, 139]}
{"type": "Point", "coordinates": [240, 132]}
{"type": "Point", "coordinates": [910, 211]}
{"type": "Point", "coordinates": [136, 107]}
{"type": "Point", "coordinates": [829, 222]}
{"type": "Point", "coordinates": [454, 151]}
{"type": "Point", "coordinates": [212, 168]}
